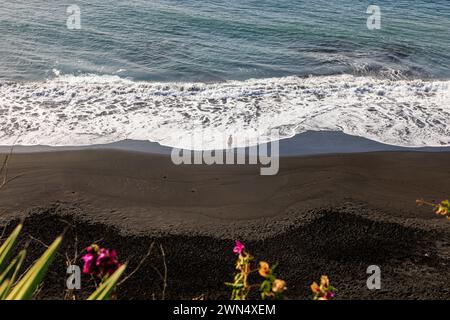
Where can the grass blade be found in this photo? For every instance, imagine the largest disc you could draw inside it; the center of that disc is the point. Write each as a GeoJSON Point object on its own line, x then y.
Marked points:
{"type": "Point", "coordinates": [4, 288]}
{"type": "Point", "coordinates": [104, 290]}
{"type": "Point", "coordinates": [7, 248]}
{"type": "Point", "coordinates": [30, 281]}
{"type": "Point", "coordinates": [8, 277]}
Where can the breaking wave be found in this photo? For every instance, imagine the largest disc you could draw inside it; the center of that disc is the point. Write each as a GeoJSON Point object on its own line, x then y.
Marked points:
{"type": "Point", "coordinates": [91, 109]}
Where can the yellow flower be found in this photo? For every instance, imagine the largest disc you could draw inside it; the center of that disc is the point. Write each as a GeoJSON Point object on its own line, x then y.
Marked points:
{"type": "Point", "coordinates": [279, 286]}
{"type": "Point", "coordinates": [324, 282]}
{"type": "Point", "coordinates": [264, 269]}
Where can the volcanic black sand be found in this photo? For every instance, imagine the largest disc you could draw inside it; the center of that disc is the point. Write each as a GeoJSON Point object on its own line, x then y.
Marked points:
{"type": "Point", "coordinates": [327, 214]}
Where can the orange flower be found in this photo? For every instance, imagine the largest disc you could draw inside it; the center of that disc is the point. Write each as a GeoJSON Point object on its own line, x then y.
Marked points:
{"type": "Point", "coordinates": [324, 291]}
{"type": "Point", "coordinates": [279, 286]}
{"type": "Point", "coordinates": [264, 269]}
{"type": "Point", "coordinates": [315, 287]}
{"type": "Point", "coordinates": [442, 210]}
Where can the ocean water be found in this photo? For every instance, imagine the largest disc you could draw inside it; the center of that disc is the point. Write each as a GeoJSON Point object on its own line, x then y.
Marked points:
{"type": "Point", "coordinates": [163, 70]}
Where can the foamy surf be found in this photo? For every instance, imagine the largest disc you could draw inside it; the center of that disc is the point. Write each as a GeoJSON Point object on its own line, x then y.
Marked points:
{"type": "Point", "coordinates": [86, 110]}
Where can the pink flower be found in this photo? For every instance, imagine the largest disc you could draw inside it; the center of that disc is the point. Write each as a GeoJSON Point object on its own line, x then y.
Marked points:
{"type": "Point", "coordinates": [239, 248]}
{"type": "Point", "coordinates": [89, 263]}
{"type": "Point", "coordinates": [89, 259]}
{"type": "Point", "coordinates": [107, 261]}
{"type": "Point", "coordinates": [330, 295]}
{"type": "Point", "coordinates": [100, 261]}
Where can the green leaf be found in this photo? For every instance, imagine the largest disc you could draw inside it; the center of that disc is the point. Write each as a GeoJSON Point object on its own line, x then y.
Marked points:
{"type": "Point", "coordinates": [265, 286]}
{"type": "Point", "coordinates": [4, 288]}
{"type": "Point", "coordinates": [26, 287]}
{"type": "Point", "coordinates": [7, 248]}
{"type": "Point", "coordinates": [10, 274]}
{"type": "Point", "coordinates": [103, 292]}
{"type": "Point", "coordinates": [234, 285]}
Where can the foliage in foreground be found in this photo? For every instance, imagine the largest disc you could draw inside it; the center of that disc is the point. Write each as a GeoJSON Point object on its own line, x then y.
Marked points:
{"type": "Point", "coordinates": [270, 288]}
{"type": "Point", "coordinates": [442, 208]}
{"type": "Point", "coordinates": [16, 286]}
{"type": "Point", "coordinates": [102, 263]}
{"type": "Point", "coordinates": [324, 291]}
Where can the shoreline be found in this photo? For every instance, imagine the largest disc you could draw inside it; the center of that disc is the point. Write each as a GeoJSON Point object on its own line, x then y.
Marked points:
{"type": "Point", "coordinates": [308, 143]}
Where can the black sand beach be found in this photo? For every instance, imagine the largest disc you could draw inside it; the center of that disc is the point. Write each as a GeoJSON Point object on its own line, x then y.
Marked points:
{"type": "Point", "coordinates": [330, 214]}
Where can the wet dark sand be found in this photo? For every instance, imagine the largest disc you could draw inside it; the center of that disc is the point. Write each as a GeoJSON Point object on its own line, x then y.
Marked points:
{"type": "Point", "coordinates": [327, 214]}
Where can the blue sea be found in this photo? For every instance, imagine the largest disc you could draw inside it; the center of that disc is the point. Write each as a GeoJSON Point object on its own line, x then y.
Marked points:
{"type": "Point", "coordinates": [162, 70]}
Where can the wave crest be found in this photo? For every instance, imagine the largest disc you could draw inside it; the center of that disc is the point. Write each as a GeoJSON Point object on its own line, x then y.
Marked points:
{"type": "Point", "coordinates": [86, 110]}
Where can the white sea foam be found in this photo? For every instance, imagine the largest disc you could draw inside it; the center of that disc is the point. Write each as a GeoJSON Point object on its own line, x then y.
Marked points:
{"type": "Point", "coordinates": [85, 110]}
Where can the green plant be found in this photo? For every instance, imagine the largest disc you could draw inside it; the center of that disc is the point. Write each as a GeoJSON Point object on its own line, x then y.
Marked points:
{"type": "Point", "coordinates": [270, 288]}
{"type": "Point", "coordinates": [103, 264]}
{"type": "Point", "coordinates": [15, 287]}
{"type": "Point", "coordinates": [107, 286]}
{"type": "Point", "coordinates": [324, 291]}
{"type": "Point", "coordinates": [442, 208]}
{"type": "Point", "coordinates": [9, 272]}
{"type": "Point", "coordinates": [240, 286]}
